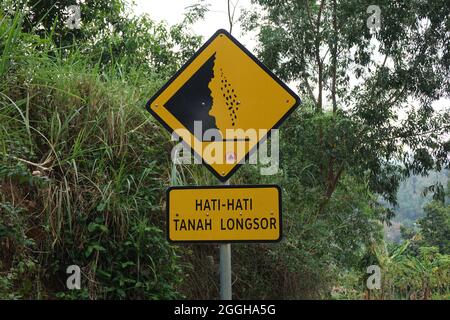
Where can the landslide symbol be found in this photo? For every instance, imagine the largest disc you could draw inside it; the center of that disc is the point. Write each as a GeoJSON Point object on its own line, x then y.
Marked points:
{"type": "Point", "coordinates": [209, 97]}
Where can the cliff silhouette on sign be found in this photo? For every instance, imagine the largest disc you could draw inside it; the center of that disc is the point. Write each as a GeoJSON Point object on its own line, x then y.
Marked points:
{"type": "Point", "coordinates": [193, 101]}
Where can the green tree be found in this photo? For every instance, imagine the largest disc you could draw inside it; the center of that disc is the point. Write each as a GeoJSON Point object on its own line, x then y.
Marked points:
{"type": "Point", "coordinates": [316, 247]}
{"type": "Point", "coordinates": [328, 49]}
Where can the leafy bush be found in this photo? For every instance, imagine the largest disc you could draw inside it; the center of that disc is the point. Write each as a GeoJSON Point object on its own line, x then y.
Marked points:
{"type": "Point", "coordinates": [81, 177]}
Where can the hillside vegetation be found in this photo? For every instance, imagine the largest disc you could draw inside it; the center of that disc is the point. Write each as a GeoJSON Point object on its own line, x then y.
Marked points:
{"type": "Point", "coordinates": [413, 195]}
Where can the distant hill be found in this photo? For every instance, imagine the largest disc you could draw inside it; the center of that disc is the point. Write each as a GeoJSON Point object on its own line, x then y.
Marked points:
{"type": "Point", "coordinates": [411, 201]}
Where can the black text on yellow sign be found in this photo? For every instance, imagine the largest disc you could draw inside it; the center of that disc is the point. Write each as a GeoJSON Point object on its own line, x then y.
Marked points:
{"type": "Point", "coordinates": [224, 214]}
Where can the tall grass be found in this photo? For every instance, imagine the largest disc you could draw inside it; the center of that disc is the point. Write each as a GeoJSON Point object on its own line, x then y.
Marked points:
{"type": "Point", "coordinates": [85, 165]}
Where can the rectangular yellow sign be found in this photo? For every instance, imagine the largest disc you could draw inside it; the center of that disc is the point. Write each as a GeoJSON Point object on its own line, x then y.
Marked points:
{"type": "Point", "coordinates": [224, 214]}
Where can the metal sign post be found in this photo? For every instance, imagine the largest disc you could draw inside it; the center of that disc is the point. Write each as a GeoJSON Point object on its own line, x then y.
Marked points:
{"type": "Point", "coordinates": [225, 267]}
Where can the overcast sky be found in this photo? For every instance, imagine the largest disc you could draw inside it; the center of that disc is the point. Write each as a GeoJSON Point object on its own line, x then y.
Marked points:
{"type": "Point", "coordinates": [217, 17]}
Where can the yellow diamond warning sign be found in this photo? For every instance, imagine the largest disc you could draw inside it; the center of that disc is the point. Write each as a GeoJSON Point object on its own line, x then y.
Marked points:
{"type": "Point", "coordinates": [224, 214]}
{"type": "Point", "coordinates": [222, 103]}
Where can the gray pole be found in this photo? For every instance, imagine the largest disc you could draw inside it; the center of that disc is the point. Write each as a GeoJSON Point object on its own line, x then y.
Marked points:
{"type": "Point", "coordinates": [225, 268]}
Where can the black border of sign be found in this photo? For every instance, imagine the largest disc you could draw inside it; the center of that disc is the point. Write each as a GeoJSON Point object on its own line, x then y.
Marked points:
{"type": "Point", "coordinates": [224, 187]}
{"type": "Point", "coordinates": [270, 73]}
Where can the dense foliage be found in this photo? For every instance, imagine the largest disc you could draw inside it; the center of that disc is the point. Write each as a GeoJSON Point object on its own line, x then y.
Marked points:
{"type": "Point", "coordinates": [83, 167]}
